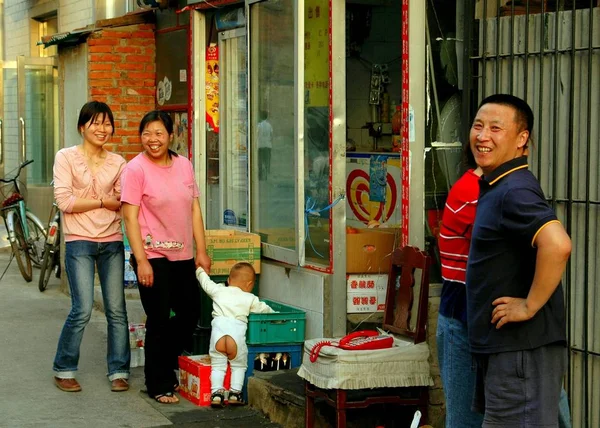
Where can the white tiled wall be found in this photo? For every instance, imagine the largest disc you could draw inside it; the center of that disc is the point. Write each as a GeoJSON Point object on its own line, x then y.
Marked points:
{"type": "Point", "coordinates": [74, 14]}
{"type": "Point", "coordinates": [297, 287]}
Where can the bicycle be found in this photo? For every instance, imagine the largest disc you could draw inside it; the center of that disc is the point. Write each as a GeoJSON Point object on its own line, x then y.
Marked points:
{"type": "Point", "coordinates": [26, 232]}
{"type": "Point", "coordinates": [51, 259]}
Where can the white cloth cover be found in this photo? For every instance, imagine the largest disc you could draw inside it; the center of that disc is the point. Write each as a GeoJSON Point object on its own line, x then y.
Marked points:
{"type": "Point", "coordinates": [403, 365]}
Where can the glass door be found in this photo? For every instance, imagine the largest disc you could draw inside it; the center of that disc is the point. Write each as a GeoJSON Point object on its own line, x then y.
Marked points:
{"type": "Point", "coordinates": [2, 120]}
{"type": "Point", "coordinates": [37, 81]}
{"type": "Point", "coordinates": [37, 122]}
{"type": "Point", "coordinates": [234, 129]}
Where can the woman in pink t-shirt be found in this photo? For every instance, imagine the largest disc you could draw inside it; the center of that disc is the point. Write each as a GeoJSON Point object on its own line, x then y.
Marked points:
{"type": "Point", "coordinates": [163, 222]}
{"type": "Point", "coordinates": [87, 188]}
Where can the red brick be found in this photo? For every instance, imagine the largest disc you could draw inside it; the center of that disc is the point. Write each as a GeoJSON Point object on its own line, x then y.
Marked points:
{"type": "Point", "coordinates": [116, 34]}
{"type": "Point", "coordinates": [104, 91]}
{"type": "Point", "coordinates": [132, 66]}
{"type": "Point", "coordinates": [98, 66]}
{"type": "Point", "coordinates": [100, 49]}
{"type": "Point", "coordinates": [105, 58]}
{"type": "Point", "coordinates": [143, 34]}
{"type": "Point", "coordinates": [147, 100]}
{"type": "Point", "coordinates": [129, 83]}
{"type": "Point", "coordinates": [104, 75]}
{"type": "Point", "coordinates": [135, 107]}
{"type": "Point", "coordinates": [128, 132]}
{"type": "Point", "coordinates": [135, 75]}
{"type": "Point", "coordinates": [143, 42]}
{"type": "Point", "coordinates": [103, 42]}
{"type": "Point", "coordinates": [128, 49]}
{"type": "Point", "coordinates": [127, 99]}
{"type": "Point", "coordinates": [102, 83]}
{"type": "Point", "coordinates": [143, 91]}
{"type": "Point", "coordinates": [139, 58]}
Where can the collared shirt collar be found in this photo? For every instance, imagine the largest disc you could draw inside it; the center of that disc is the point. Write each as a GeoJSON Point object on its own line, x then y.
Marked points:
{"type": "Point", "coordinates": [505, 169]}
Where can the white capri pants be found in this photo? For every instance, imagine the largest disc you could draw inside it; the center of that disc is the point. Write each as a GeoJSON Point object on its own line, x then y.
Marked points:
{"type": "Point", "coordinates": [223, 326]}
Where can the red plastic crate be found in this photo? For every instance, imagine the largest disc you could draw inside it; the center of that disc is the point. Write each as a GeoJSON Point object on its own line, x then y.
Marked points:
{"type": "Point", "coordinates": [194, 379]}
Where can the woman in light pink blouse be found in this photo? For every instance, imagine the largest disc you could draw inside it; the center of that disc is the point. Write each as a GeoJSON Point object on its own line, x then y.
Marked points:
{"type": "Point", "coordinates": [87, 188]}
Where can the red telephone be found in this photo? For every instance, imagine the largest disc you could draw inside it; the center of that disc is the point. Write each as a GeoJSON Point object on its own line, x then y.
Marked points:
{"type": "Point", "coordinates": [359, 340]}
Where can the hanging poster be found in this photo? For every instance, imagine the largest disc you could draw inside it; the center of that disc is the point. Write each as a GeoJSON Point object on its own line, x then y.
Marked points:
{"type": "Point", "coordinates": [316, 53]}
{"type": "Point", "coordinates": [180, 131]}
{"type": "Point", "coordinates": [372, 189]}
{"type": "Point", "coordinates": [212, 87]}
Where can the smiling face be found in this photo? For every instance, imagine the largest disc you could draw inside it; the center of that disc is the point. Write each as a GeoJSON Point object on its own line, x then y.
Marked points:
{"type": "Point", "coordinates": [156, 140]}
{"type": "Point", "coordinates": [496, 136]}
{"type": "Point", "coordinates": [98, 130]}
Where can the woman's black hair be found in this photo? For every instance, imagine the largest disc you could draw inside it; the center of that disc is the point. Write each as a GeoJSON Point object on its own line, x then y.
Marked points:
{"type": "Point", "coordinates": [91, 110]}
{"type": "Point", "coordinates": [158, 116]}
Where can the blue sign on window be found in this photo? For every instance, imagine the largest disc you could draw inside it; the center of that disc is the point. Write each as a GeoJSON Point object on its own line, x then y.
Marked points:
{"type": "Point", "coordinates": [229, 217]}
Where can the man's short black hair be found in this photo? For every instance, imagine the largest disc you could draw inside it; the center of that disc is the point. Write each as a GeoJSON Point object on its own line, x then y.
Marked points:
{"type": "Point", "coordinates": [524, 114]}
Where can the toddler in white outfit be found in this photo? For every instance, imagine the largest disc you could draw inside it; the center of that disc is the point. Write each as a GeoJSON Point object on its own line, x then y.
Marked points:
{"type": "Point", "coordinates": [231, 306]}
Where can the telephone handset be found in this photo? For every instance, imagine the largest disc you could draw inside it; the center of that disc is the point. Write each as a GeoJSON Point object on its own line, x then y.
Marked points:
{"type": "Point", "coordinates": [366, 339]}
{"type": "Point", "coordinates": [357, 341]}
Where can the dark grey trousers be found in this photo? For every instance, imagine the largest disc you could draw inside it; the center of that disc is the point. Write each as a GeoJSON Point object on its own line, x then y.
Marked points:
{"type": "Point", "coordinates": [520, 388]}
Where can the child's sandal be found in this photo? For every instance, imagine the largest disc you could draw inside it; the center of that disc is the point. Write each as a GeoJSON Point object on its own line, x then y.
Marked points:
{"type": "Point", "coordinates": [235, 398]}
{"type": "Point", "coordinates": [217, 399]}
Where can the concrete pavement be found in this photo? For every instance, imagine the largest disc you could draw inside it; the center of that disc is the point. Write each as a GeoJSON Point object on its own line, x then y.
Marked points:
{"type": "Point", "coordinates": [31, 322]}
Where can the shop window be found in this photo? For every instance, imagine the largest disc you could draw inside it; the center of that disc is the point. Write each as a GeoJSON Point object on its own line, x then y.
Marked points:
{"type": "Point", "coordinates": [273, 118]}
{"type": "Point", "coordinates": [316, 131]}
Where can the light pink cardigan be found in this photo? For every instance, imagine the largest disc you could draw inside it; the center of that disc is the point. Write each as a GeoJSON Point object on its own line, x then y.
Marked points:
{"type": "Point", "coordinates": [72, 180]}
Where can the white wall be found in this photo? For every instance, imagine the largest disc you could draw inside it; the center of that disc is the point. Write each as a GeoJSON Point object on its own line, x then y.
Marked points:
{"type": "Point", "coordinates": [301, 288]}
{"type": "Point", "coordinates": [74, 14]}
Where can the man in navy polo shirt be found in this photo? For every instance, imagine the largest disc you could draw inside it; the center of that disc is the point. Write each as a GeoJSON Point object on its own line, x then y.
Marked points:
{"type": "Point", "coordinates": [519, 251]}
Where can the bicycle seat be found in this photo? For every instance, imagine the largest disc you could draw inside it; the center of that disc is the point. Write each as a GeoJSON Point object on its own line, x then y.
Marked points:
{"type": "Point", "coordinates": [12, 199]}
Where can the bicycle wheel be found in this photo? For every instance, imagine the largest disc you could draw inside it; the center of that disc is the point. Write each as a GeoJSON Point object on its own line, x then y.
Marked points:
{"type": "Point", "coordinates": [47, 265]}
{"type": "Point", "coordinates": [19, 248]}
{"type": "Point", "coordinates": [36, 241]}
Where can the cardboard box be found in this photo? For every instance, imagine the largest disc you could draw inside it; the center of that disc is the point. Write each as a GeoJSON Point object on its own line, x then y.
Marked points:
{"type": "Point", "coordinates": [366, 293]}
{"type": "Point", "coordinates": [369, 250]}
{"type": "Point", "coordinates": [228, 247]}
{"type": "Point", "coordinates": [194, 379]}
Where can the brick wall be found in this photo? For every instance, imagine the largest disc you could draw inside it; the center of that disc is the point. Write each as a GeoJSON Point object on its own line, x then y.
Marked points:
{"type": "Point", "coordinates": [122, 74]}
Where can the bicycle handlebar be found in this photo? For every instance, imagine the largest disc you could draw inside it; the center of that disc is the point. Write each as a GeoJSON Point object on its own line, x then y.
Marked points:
{"type": "Point", "coordinates": [23, 165]}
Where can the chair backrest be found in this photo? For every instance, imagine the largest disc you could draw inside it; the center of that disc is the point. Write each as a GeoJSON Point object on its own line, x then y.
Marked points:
{"type": "Point", "coordinates": [399, 301]}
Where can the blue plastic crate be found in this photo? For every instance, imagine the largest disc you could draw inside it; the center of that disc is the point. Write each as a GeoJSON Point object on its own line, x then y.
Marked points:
{"type": "Point", "coordinates": [293, 350]}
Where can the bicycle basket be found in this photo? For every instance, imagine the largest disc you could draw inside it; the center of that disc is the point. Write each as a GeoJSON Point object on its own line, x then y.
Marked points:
{"type": "Point", "coordinates": [8, 194]}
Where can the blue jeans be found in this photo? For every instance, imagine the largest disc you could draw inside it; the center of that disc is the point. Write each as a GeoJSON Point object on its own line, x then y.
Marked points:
{"type": "Point", "coordinates": [457, 372]}
{"type": "Point", "coordinates": [81, 257]}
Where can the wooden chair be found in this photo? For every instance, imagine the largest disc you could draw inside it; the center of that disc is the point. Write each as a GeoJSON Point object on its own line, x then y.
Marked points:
{"type": "Point", "coordinates": [397, 320]}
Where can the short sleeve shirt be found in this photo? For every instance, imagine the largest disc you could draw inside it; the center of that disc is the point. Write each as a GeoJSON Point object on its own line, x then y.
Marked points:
{"type": "Point", "coordinates": [511, 212]}
{"type": "Point", "coordinates": [165, 195]}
